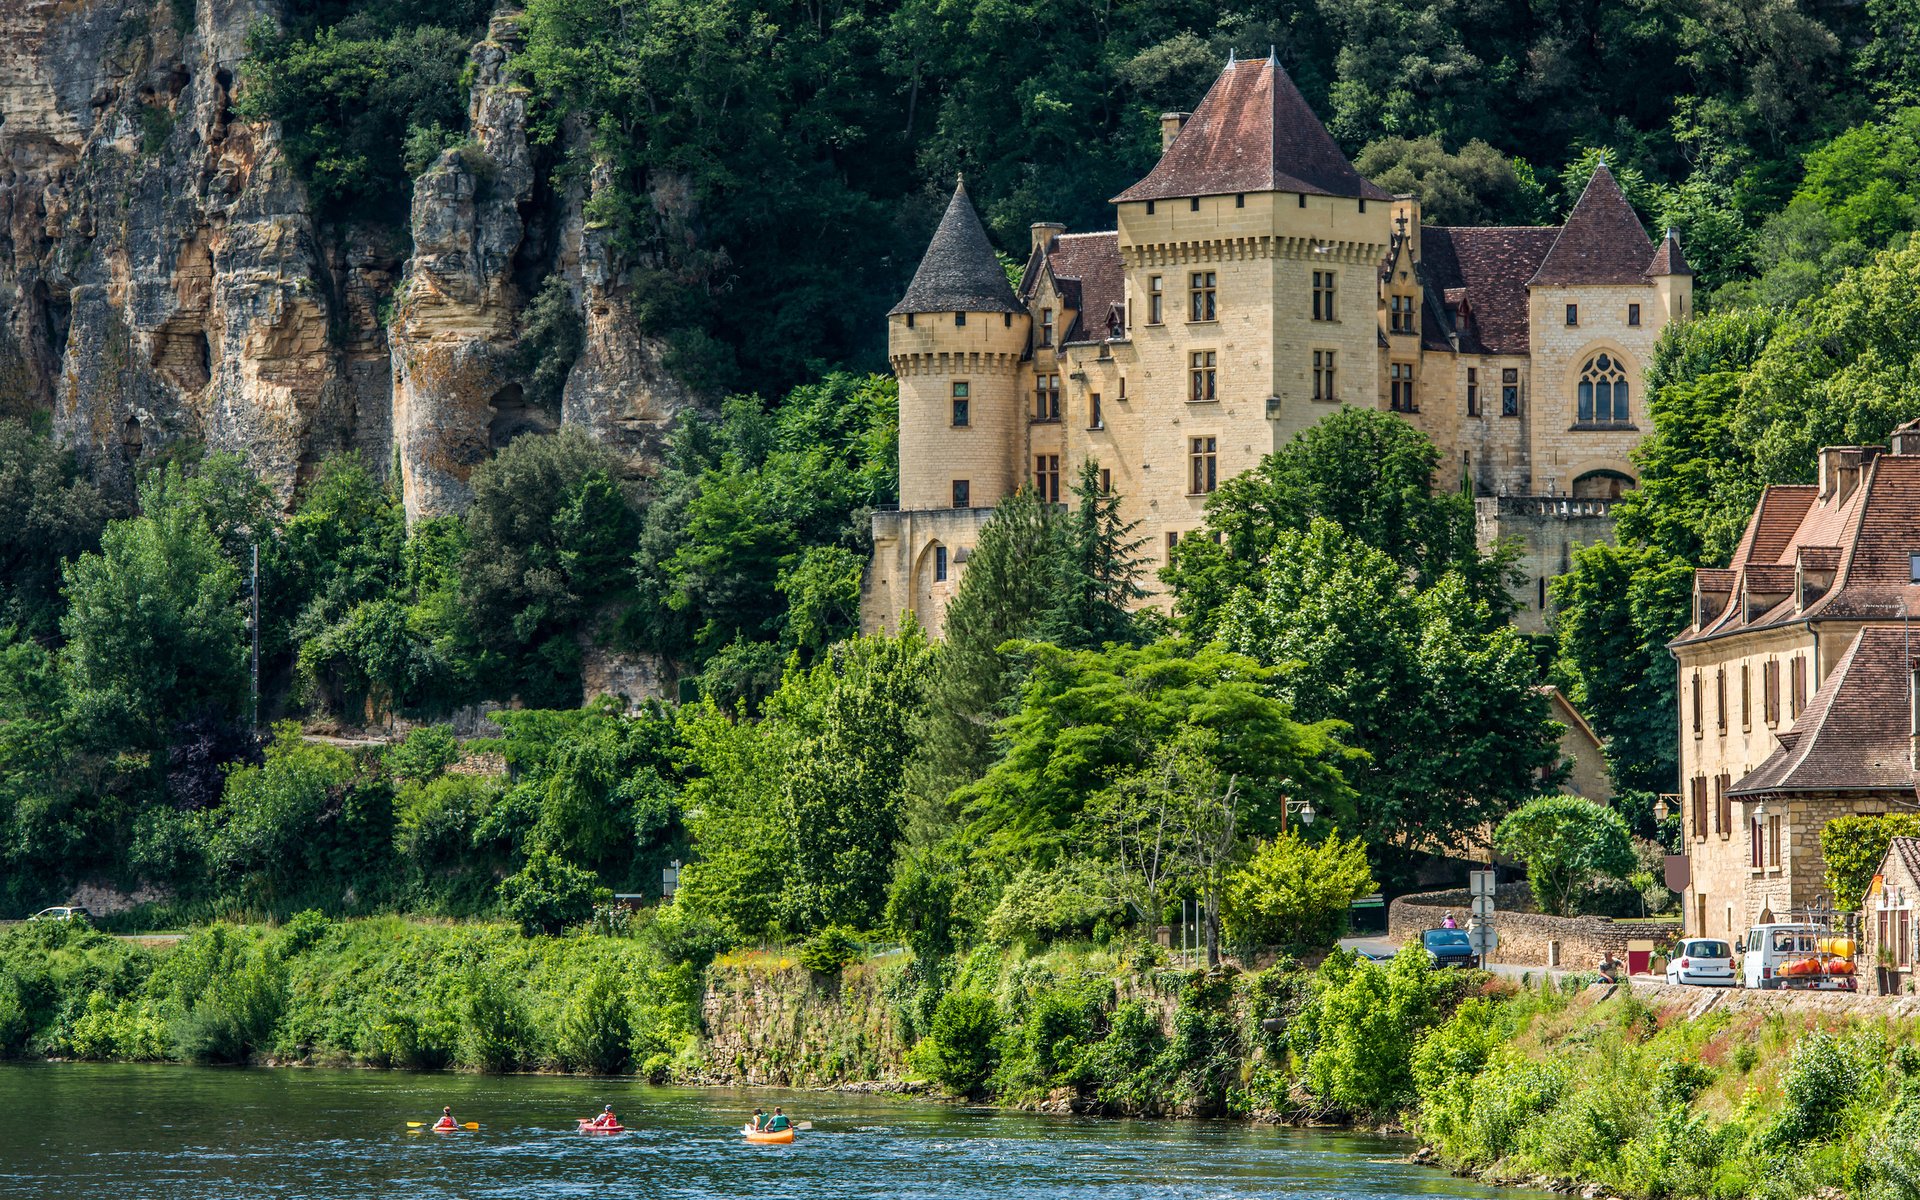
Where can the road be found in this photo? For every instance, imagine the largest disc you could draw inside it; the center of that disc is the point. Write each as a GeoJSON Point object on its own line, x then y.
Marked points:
{"type": "Point", "coordinates": [1382, 948]}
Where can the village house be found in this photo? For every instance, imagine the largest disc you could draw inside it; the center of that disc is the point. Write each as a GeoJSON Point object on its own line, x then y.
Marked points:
{"type": "Point", "coordinates": [1253, 283]}
{"type": "Point", "coordinates": [1796, 685]}
{"type": "Point", "coordinates": [1887, 930]}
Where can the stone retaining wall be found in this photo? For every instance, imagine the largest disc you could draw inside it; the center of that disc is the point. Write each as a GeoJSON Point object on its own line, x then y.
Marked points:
{"type": "Point", "coordinates": [1528, 939]}
{"type": "Point", "coordinates": [1694, 1002]}
{"type": "Point", "coordinates": [774, 1023]}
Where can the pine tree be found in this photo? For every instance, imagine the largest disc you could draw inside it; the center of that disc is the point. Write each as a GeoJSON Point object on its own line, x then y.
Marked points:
{"type": "Point", "coordinates": [1099, 573]}
{"type": "Point", "coordinates": [1009, 586]}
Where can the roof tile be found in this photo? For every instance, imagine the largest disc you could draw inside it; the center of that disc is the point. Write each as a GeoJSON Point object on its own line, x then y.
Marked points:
{"type": "Point", "coordinates": [959, 272]}
{"type": "Point", "coordinates": [1853, 734]}
{"type": "Point", "coordinates": [1602, 241]}
{"type": "Point", "coordinates": [1489, 268]}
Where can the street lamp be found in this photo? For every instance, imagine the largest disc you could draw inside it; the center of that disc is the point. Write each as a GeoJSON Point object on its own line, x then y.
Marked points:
{"type": "Point", "coordinates": [1303, 807]}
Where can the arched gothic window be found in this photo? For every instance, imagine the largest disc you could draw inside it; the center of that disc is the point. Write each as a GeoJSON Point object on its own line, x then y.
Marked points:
{"type": "Point", "coordinates": [1603, 390]}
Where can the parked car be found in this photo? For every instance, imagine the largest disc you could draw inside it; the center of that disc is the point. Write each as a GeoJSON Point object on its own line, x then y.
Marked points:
{"type": "Point", "coordinates": [1449, 948]}
{"type": "Point", "coordinates": [1702, 962]}
{"type": "Point", "coordinates": [62, 912]}
{"type": "Point", "coordinates": [1801, 955]}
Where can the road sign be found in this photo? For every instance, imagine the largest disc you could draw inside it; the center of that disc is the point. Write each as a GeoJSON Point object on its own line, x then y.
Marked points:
{"type": "Point", "coordinates": [1483, 938]}
{"type": "Point", "coordinates": [1483, 908]}
{"type": "Point", "coordinates": [1480, 883]}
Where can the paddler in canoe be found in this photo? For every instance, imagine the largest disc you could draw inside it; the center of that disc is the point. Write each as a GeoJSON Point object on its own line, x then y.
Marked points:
{"type": "Point", "coordinates": [446, 1120]}
{"type": "Point", "coordinates": [759, 1121]}
{"type": "Point", "coordinates": [606, 1119]}
{"type": "Point", "coordinates": [778, 1122]}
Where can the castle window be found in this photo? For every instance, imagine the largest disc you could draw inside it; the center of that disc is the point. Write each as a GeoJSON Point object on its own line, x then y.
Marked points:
{"type": "Point", "coordinates": [1106, 482]}
{"type": "Point", "coordinates": [1046, 477]}
{"type": "Point", "coordinates": [1400, 396]}
{"type": "Point", "coordinates": [1200, 296]}
{"type": "Point", "coordinates": [1173, 539]}
{"type": "Point", "coordinates": [1204, 460]}
{"type": "Point", "coordinates": [1303, 199]}
{"type": "Point", "coordinates": [1509, 391]}
{"type": "Point", "coordinates": [1200, 372]}
{"type": "Point", "coordinates": [1094, 418]}
{"type": "Point", "coordinates": [1698, 725]}
{"type": "Point", "coordinates": [962, 494]}
{"type": "Point", "coordinates": [961, 403]}
{"type": "Point", "coordinates": [1402, 315]}
{"type": "Point", "coordinates": [1240, 200]}
{"type": "Point", "coordinates": [1603, 391]}
{"type": "Point", "coordinates": [1798, 675]}
{"type": "Point", "coordinates": [1323, 375]}
{"type": "Point", "coordinates": [909, 320]}
{"type": "Point", "coordinates": [1154, 300]}
{"type": "Point", "coordinates": [1573, 314]}
{"type": "Point", "coordinates": [1323, 295]}
{"type": "Point", "coordinates": [1046, 327]}
{"type": "Point", "coordinates": [1046, 397]}
{"type": "Point", "coordinates": [1123, 387]}
{"type": "Point", "coordinates": [1770, 689]}
{"type": "Point", "coordinates": [939, 564]}
{"type": "Point", "coordinates": [1746, 696]}
{"type": "Point", "coordinates": [1363, 204]}
{"type": "Point", "coordinates": [1193, 205]}
{"type": "Point", "coordinates": [1149, 208]}
{"type": "Point", "coordinates": [1698, 786]}
{"type": "Point", "coordinates": [1720, 698]}
{"type": "Point", "coordinates": [1633, 314]}
{"type": "Point", "coordinates": [1473, 391]}
{"type": "Point", "coordinates": [959, 318]}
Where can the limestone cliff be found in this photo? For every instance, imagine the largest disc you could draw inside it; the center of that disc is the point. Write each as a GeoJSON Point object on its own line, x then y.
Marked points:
{"type": "Point", "coordinates": [164, 281]}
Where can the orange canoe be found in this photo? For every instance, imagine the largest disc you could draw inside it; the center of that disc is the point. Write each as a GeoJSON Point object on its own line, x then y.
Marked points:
{"type": "Point", "coordinates": [766, 1137]}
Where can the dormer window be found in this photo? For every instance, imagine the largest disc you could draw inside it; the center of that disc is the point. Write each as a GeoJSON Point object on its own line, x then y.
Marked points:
{"type": "Point", "coordinates": [1046, 327]}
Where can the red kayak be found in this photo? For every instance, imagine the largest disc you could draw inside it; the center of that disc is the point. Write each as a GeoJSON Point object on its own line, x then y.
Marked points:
{"type": "Point", "coordinates": [587, 1126]}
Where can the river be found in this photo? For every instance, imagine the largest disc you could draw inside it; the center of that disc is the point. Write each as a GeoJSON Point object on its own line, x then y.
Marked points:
{"type": "Point", "coordinates": [111, 1132]}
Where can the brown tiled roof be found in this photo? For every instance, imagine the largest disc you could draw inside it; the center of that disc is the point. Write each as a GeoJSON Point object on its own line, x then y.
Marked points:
{"type": "Point", "coordinates": [1716, 579]}
{"type": "Point", "coordinates": [1254, 132]}
{"type": "Point", "coordinates": [1667, 259]}
{"type": "Point", "coordinates": [960, 272]}
{"type": "Point", "coordinates": [1866, 539]}
{"type": "Point", "coordinates": [1090, 264]}
{"type": "Point", "coordinates": [1853, 734]}
{"type": "Point", "coordinates": [1602, 241]}
{"type": "Point", "coordinates": [1907, 850]}
{"type": "Point", "coordinates": [1489, 267]}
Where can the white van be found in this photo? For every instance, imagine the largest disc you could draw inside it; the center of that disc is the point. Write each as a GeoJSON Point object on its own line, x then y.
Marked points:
{"type": "Point", "coordinates": [1796, 955]}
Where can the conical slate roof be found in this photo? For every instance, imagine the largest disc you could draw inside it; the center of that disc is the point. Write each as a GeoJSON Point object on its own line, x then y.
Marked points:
{"type": "Point", "coordinates": [960, 272]}
{"type": "Point", "coordinates": [1668, 259]}
{"type": "Point", "coordinates": [1602, 241]}
{"type": "Point", "coordinates": [1253, 132]}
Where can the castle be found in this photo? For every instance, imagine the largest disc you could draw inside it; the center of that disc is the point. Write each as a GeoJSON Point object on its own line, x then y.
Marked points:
{"type": "Point", "coordinates": [1253, 283]}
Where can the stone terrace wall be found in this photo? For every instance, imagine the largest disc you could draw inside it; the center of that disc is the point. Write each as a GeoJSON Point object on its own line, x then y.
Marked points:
{"type": "Point", "coordinates": [774, 1023]}
{"type": "Point", "coordinates": [1527, 939]}
{"type": "Point", "coordinates": [1694, 1002]}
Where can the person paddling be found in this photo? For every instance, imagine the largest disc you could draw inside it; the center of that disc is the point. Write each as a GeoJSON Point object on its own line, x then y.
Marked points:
{"type": "Point", "coordinates": [759, 1121]}
{"type": "Point", "coordinates": [446, 1120]}
{"type": "Point", "coordinates": [778, 1122]}
{"type": "Point", "coordinates": [606, 1120]}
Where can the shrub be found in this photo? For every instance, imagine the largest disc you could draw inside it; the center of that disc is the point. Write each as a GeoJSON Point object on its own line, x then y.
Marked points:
{"type": "Point", "coordinates": [1362, 1025]}
{"type": "Point", "coordinates": [495, 1038]}
{"type": "Point", "coordinates": [548, 894]}
{"type": "Point", "coordinates": [1042, 906]}
{"type": "Point", "coordinates": [1566, 842]}
{"type": "Point", "coordinates": [1852, 848]}
{"type": "Point", "coordinates": [1825, 1076]}
{"type": "Point", "coordinates": [1296, 893]}
{"type": "Point", "coordinates": [233, 1017]}
{"type": "Point", "coordinates": [596, 1031]}
{"type": "Point", "coordinates": [303, 931]}
{"type": "Point", "coordinates": [829, 950]}
{"type": "Point", "coordinates": [960, 1048]}
{"type": "Point", "coordinates": [1123, 1060]}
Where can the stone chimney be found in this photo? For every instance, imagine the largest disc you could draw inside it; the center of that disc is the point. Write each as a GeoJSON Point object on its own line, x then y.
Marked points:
{"type": "Point", "coordinates": [1906, 439]}
{"type": "Point", "coordinates": [1840, 470]}
{"type": "Point", "coordinates": [1170, 125]}
{"type": "Point", "coordinates": [1043, 234]}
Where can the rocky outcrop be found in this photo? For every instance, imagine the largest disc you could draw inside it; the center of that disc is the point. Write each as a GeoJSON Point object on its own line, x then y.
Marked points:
{"type": "Point", "coordinates": [771, 1022]}
{"type": "Point", "coordinates": [163, 279]}
{"type": "Point", "coordinates": [454, 318]}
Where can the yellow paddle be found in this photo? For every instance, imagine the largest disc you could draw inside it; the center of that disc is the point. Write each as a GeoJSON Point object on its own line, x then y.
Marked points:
{"type": "Point", "coordinates": [428, 1124]}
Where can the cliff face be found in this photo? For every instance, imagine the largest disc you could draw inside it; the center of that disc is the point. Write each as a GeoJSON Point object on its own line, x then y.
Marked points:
{"type": "Point", "coordinates": [163, 279]}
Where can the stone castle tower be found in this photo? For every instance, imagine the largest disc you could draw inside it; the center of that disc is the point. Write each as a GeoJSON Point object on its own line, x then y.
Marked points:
{"type": "Point", "coordinates": [1255, 282]}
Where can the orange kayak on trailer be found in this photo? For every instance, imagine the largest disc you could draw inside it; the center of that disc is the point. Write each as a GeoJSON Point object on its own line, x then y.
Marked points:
{"type": "Point", "coordinates": [768, 1137]}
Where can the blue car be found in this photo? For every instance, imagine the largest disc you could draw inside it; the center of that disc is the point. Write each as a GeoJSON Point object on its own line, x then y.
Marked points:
{"type": "Point", "coordinates": [1448, 948]}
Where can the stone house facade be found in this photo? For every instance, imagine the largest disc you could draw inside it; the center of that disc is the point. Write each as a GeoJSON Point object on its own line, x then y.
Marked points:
{"type": "Point", "coordinates": [1887, 930]}
{"type": "Point", "coordinates": [1795, 688]}
{"type": "Point", "coordinates": [1253, 283]}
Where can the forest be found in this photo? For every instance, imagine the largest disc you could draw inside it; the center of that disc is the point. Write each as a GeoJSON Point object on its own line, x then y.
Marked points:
{"type": "Point", "coordinates": [1060, 766]}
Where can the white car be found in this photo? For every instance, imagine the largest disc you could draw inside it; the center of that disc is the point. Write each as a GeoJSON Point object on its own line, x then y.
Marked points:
{"type": "Point", "coordinates": [63, 912]}
{"type": "Point", "coordinates": [1702, 962]}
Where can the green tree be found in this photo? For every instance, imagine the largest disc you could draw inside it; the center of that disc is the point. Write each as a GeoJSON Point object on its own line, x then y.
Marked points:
{"type": "Point", "coordinates": [1477, 185]}
{"type": "Point", "coordinates": [549, 893]}
{"type": "Point", "coordinates": [1441, 699]}
{"type": "Point", "coordinates": [1369, 472]}
{"type": "Point", "coordinates": [1293, 892]}
{"type": "Point", "coordinates": [48, 515]}
{"type": "Point", "coordinates": [1098, 584]}
{"type": "Point", "coordinates": [1361, 1025]}
{"type": "Point", "coordinates": [1853, 849]}
{"type": "Point", "coordinates": [1567, 842]}
{"type": "Point", "coordinates": [743, 845]}
{"type": "Point", "coordinates": [154, 628]}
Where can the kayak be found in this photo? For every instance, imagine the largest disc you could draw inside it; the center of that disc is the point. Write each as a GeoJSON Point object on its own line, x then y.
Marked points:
{"type": "Point", "coordinates": [767, 1137]}
{"type": "Point", "coordinates": [587, 1126]}
{"type": "Point", "coordinates": [444, 1128]}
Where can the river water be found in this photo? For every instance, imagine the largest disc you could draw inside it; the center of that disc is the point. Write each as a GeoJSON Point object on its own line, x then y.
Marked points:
{"type": "Point", "coordinates": [80, 1132]}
